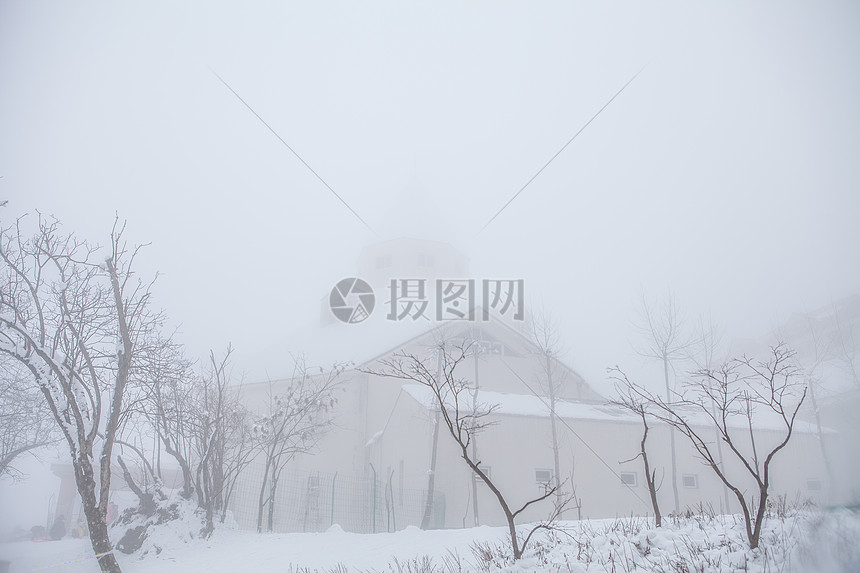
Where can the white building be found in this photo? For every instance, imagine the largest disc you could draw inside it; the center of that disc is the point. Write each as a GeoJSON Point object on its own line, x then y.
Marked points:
{"type": "Point", "coordinates": [371, 472]}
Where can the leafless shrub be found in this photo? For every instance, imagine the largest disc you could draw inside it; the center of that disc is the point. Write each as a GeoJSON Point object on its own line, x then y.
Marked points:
{"type": "Point", "coordinates": [490, 556]}
{"type": "Point", "coordinates": [293, 423]}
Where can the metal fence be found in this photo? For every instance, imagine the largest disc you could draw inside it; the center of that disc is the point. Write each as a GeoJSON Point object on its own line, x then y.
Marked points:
{"type": "Point", "coordinates": [314, 501]}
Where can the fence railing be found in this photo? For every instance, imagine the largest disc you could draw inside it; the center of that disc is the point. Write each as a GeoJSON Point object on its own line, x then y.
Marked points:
{"type": "Point", "coordinates": [314, 501]}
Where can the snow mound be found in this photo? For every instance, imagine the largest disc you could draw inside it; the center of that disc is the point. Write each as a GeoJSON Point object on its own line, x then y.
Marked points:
{"type": "Point", "coordinates": [176, 521]}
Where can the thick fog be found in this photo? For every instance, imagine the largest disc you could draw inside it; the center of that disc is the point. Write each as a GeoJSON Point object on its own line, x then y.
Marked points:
{"type": "Point", "coordinates": [604, 153]}
{"type": "Point", "coordinates": [726, 172]}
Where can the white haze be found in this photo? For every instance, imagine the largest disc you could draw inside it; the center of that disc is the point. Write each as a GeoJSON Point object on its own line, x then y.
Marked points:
{"type": "Point", "coordinates": [727, 171]}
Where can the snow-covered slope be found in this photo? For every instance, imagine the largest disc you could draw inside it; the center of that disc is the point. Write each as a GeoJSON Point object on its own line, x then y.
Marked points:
{"type": "Point", "coordinates": [802, 542]}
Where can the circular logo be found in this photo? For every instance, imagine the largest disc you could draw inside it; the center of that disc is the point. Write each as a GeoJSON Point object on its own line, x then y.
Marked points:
{"type": "Point", "coordinates": [351, 300]}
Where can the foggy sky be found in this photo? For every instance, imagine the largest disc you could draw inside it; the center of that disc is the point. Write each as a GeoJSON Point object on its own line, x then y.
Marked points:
{"type": "Point", "coordinates": [727, 171]}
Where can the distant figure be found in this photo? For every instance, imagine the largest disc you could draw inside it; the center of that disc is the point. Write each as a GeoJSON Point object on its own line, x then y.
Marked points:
{"type": "Point", "coordinates": [38, 533]}
{"type": "Point", "coordinates": [79, 530]}
{"type": "Point", "coordinates": [112, 510]}
{"type": "Point", "coordinates": [58, 530]}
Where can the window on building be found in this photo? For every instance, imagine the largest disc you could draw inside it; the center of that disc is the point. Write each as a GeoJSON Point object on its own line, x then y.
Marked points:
{"type": "Point", "coordinates": [543, 476]}
{"type": "Point", "coordinates": [629, 479]}
{"type": "Point", "coordinates": [813, 484]}
{"type": "Point", "coordinates": [690, 481]}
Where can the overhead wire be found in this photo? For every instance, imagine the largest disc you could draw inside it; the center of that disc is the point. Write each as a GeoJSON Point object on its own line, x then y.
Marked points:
{"type": "Point", "coordinates": [575, 433]}
{"type": "Point", "coordinates": [293, 151]}
{"type": "Point", "coordinates": [557, 153]}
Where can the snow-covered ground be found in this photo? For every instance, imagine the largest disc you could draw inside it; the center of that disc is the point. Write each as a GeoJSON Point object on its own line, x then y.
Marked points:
{"type": "Point", "coordinates": [804, 542]}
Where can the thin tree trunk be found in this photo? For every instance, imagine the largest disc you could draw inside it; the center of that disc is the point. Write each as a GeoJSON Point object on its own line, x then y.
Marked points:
{"type": "Point", "coordinates": [474, 484]}
{"type": "Point", "coordinates": [675, 494]}
{"type": "Point", "coordinates": [270, 519]}
{"type": "Point", "coordinates": [759, 518]}
{"type": "Point", "coordinates": [556, 475]}
{"type": "Point", "coordinates": [145, 500]}
{"type": "Point", "coordinates": [509, 516]}
{"type": "Point", "coordinates": [649, 475]}
{"type": "Point", "coordinates": [261, 503]}
{"type": "Point", "coordinates": [718, 439]}
{"type": "Point", "coordinates": [431, 480]}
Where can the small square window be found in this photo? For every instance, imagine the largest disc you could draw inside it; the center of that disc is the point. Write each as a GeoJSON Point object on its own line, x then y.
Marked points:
{"type": "Point", "coordinates": [629, 478]}
{"type": "Point", "coordinates": [690, 481]}
{"type": "Point", "coordinates": [813, 484]}
{"type": "Point", "coordinates": [543, 476]}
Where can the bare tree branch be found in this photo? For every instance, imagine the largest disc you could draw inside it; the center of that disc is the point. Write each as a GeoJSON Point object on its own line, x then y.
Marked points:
{"type": "Point", "coordinates": [728, 398]}
{"type": "Point", "coordinates": [452, 396]}
{"type": "Point", "coordinates": [75, 325]}
{"type": "Point", "coordinates": [630, 398]}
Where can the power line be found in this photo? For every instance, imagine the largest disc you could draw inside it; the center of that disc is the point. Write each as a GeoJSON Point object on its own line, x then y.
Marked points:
{"type": "Point", "coordinates": [293, 151]}
{"type": "Point", "coordinates": [563, 147]}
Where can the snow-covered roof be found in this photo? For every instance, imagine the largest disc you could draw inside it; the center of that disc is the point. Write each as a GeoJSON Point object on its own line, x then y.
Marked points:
{"type": "Point", "coordinates": [538, 406]}
{"type": "Point", "coordinates": [528, 405]}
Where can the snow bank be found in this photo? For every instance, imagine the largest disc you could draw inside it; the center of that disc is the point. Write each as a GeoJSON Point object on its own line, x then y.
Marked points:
{"type": "Point", "coordinates": [800, 543]}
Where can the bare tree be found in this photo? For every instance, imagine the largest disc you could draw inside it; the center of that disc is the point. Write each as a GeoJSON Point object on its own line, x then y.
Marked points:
{"type": "Point", "coordinates": [200, 422]}
{"type": "Point", "coordinates": [630, 399]}
{"type": "Point", "coordinates": [197, 419]}
{"type": "Point", "coordinates": [158, 361]}
{"type": "Point", "coordinates": [149, 492]}
{"type": "Point", "coordinates": [452, 396]}
{"type": "Point", "coordinates": [171, 406]}
{"type": "Point", "coordinates": [223, 441]}
{"type": "Point", "coordinates": [733, 399]}
{"type": "Point", "coordinates": [74, 324]}
{"type": "Point", "coordinates": [546, 337]}
{"type": "Point", "coordinates": [25, 422]}
{"type": "Point", "coordinates": [294, 422]}
{"type": "Point", "coordinates": [479, 347]}
{"type": "Point", "coordinates": [703, 353]}
{"type": "Point", "coordinates": [662, 327]}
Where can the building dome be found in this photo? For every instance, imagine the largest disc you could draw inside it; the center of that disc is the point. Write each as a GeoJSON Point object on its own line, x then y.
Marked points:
{"type": "Point", "coordinates": [410, 258]}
